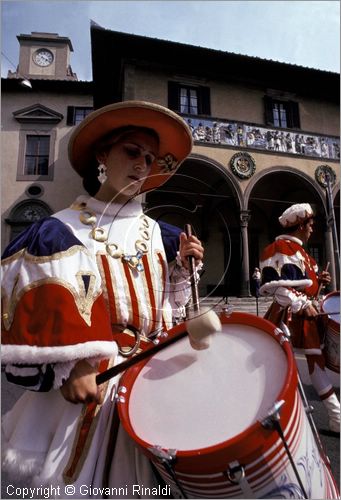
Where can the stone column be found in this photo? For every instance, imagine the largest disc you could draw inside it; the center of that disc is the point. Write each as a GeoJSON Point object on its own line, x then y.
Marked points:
{"type": "Point", "coordinates": [245, 271]}
{"type": "Point", "coordinates": [331, 258]}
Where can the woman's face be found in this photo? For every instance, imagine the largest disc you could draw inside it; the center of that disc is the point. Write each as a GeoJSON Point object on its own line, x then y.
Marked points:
{"type": "Point", "coordinates": [128, 162]}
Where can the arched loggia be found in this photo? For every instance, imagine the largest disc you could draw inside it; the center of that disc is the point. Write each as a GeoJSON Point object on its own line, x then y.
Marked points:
{"type": "Point", "coordinates": [269, 194]}
{"type": "Point", "coordinates": [204, 194]}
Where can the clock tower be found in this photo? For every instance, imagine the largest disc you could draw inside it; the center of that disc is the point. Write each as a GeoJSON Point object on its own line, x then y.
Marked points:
{"type": "Point", "coordinates": [44, 56]}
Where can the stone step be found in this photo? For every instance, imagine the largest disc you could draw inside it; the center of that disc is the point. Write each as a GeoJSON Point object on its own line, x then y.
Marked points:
{"type": "Point", "coordinates": [239, 304]}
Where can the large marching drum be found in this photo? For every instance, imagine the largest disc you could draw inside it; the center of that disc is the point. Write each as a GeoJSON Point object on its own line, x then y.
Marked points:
{"type": "Point", "coordinates": [331, 306]}
{"type": "Point", "coordinates": [228, 421]}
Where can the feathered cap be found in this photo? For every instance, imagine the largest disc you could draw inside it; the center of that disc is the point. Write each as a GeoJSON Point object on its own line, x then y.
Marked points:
{"type": "Point", "coordinates": [175, 137]}
{"type": "Point", "coordinates": [296, 214]}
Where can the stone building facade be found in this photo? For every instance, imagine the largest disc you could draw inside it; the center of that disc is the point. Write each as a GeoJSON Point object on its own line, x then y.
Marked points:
{"type": "Point", "coordinates": [36, 122]}
{"type": "Point", "coordinates": [265, 134]}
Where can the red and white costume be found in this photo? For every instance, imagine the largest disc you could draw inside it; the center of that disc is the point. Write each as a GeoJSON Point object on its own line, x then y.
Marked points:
{"type": "Point", "coordinates": [63, 297]}
{"type": "Point", "coordinates": [289, 274]}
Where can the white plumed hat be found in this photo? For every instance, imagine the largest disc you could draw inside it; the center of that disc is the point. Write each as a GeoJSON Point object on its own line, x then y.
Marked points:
{"type": "Point", "coordinates": [296, 214]}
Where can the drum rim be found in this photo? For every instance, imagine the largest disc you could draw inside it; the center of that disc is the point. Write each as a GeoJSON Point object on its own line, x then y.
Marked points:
{"type": "Point", "coordinates": [332, 321]}
{"type": "Point", "coordinates": [236, 317]}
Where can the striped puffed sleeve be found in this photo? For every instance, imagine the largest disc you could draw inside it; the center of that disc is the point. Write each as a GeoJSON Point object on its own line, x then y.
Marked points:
{"type": "Point", "coordinates": [179, 277]}
{"type": "Point", "coordinates": [53, 311]}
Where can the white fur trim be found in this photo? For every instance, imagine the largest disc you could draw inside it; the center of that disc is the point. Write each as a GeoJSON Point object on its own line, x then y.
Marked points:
{"type": "Point", "coordinates": [62, 354]}
{"type": "Point", "coordinates": [290, 238]}
{"type": "Point", "coordinates": [270, 287]}
{"type": "Point", "coordinates": [22, 372]}
{"type": "Point", "coordinates": [313, 351]}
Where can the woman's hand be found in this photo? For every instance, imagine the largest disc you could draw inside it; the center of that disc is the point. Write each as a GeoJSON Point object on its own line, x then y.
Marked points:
{"type": "Point", "coordinates": [190, 245]}
{"type": "Point", "coordinates": [81, 386]}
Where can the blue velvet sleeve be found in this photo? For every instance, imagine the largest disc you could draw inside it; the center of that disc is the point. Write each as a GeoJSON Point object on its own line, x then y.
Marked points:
{"type": "Point", "coordinates": [171, 239]}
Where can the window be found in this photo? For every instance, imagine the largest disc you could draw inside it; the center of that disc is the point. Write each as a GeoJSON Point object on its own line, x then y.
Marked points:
{"type": "Point", "coordinates": [37, 155]}
{"type": "Point", "coordinates": [281, 113]}
{"type": "Point", "coordinates": [75, 114]}
{"type": "Point", "coordinates": [186, 99]}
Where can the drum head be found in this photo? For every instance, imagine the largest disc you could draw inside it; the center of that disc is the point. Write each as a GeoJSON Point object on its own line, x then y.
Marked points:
{"type": "Point", "coordinates": [331, 304]}
{"type": "Point", "coordinates": [187, 400]}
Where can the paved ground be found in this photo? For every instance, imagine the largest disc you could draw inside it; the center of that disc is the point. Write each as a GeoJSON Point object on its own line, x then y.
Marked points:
{"type": "Point", "coordinates": [330, 441]}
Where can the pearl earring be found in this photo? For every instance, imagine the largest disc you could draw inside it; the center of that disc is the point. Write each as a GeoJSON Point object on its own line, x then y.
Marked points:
{"type": "Point", "coordinates": [102, 173]}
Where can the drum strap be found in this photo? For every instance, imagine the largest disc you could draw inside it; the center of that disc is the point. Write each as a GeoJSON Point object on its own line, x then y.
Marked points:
{"type": "Point", "coordinates": [236, 475]}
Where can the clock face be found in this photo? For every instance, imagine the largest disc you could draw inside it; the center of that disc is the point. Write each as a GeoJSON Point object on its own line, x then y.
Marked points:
{"type": "Point", "coordinates": [43, 57]}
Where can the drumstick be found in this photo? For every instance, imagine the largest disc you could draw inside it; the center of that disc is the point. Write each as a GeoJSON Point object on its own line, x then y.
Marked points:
{"type": "Point", "coordinates": [328, 313]}
{"type": "Point", "coordinates": [204, 322]}
{"type": "Point", "coordinates": [191, 263]}
{"type": "Point", "coordinates": [322, 284]}
{"type": "Point", "coordinates": [150, 351]}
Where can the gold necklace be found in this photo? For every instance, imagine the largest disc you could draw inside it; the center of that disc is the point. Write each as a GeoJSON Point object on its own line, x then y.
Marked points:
{"type": "Point", "coordinates": [97, 233]}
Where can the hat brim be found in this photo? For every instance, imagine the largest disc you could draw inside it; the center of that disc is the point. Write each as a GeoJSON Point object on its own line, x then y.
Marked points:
{"type": "Point", "coordinates": [175, 137]}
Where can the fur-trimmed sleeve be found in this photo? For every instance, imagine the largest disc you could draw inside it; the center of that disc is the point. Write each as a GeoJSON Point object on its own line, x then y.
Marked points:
{"type": "Point", "coordinates": [53, 309]}
{"type": "Point", "coordinates": [288, 274]}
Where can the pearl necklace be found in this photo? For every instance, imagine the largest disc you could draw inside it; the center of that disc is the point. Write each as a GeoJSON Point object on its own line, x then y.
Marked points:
{"type": "Point", "coordinates": [97, 233]}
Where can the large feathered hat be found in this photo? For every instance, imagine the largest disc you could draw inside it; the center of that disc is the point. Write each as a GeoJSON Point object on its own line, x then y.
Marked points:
{"type": "Point", "coordinates": [175, 138]}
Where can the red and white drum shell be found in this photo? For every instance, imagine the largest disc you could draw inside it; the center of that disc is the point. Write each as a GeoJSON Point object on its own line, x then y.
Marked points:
{"type": "Point", "coordinates": [208, 406]}
{"type": "Point", "coordinates": [331, 304]}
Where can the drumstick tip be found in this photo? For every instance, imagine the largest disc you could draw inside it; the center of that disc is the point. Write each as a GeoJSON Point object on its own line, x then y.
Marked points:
{"type": "Point", "coordinates": [201, 326]}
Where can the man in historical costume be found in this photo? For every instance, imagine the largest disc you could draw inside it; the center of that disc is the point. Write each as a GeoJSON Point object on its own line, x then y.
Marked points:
{"type": "Point", "coordinates": [290, 275]}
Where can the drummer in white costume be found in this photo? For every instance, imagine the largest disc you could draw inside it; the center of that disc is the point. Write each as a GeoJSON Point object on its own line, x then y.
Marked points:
{"type": "Point", "coordinates": [78, 289]}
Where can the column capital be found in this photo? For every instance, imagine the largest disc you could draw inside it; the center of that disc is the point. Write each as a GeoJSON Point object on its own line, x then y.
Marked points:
{"type": "Point", "coordinates": [244, 217]}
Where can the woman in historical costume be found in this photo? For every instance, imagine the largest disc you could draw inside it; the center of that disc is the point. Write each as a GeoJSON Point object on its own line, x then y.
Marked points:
{"type": "Point", "coordinates": [79, 288]}
{"type": "Point", "coordinates": [291, 276]}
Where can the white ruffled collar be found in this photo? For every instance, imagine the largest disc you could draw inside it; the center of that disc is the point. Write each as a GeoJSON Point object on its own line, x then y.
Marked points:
{"type": "Point", "coordinates": [132, 208]}
{"type": "Point", "coordinates": [289, 237]}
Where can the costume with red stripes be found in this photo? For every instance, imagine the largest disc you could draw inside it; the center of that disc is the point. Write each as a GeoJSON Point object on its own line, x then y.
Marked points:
{"type": "Point", "coordinates": [289, 274]}
{"type": "Point", "coordinates": [66, 298]}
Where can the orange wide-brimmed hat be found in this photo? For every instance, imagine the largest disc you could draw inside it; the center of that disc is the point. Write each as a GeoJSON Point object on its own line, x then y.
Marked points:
{"type": "Point", "coordinates": [174, 134]}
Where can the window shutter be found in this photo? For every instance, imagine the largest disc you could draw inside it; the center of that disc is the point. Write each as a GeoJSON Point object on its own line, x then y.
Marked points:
{"type": "Point", "coordinates": [268, 110]}
{"type": "Point", "coordinates": [70, 118]}
{"type": "Point", "coordinates": [173, 96]}
{"type": "Point", "coordinates": [293, 115]}
{"type": "Point", "coordinates": [204, 101]}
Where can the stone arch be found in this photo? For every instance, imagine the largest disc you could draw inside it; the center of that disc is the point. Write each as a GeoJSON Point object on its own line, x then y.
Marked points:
{"type": "Point", "coordinates": [204, 192]}
{"type": "Point", "coordinates": [25, 213]}
{"type": "Point", "coordinates": [281, 169]}
{"type": "Point", "coordinates": [269, 193]}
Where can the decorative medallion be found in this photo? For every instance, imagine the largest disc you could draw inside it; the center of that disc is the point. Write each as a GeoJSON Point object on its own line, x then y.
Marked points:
{"type": "Point", "coordinates": [168, 163]}
{"type": "Point", "coordinates": [243, 165]}
{"type": "Point", "coordinates": [322, 172]}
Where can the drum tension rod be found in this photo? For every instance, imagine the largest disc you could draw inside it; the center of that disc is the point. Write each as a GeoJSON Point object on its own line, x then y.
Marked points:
{"type": "Point", "coordinates": [273, 415]}
{"type": "Point", "coordinates": [272, 421]}
{"type": "Point", "coordinates": [168, 459]}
